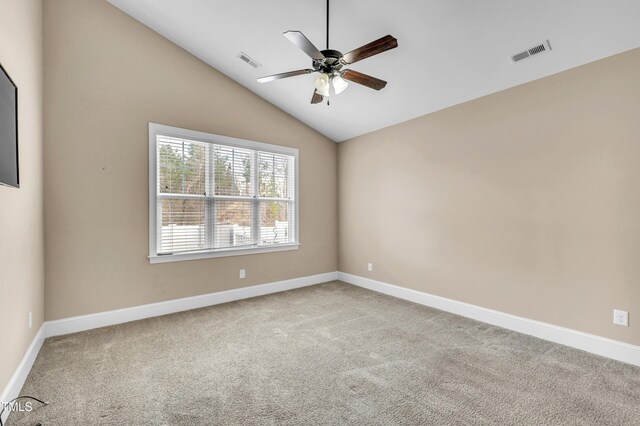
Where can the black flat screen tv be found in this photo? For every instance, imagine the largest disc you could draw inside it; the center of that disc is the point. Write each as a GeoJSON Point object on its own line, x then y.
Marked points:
{"type": "Point", "coordinates": [8, 131]}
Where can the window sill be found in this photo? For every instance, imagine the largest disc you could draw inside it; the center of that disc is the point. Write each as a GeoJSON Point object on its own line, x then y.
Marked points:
{"type": "Point", "coordinates": [221, 253]}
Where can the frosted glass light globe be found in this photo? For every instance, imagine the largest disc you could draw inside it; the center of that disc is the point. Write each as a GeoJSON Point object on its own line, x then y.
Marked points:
{"type": "Point", "coordinates": [339, 84]}
{"type": "Point", "coordinates": [322, 85]}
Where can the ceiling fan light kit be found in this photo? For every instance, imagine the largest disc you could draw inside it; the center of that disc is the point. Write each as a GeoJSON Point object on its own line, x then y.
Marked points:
{"type": "Point", "coordinates": [329, 63]}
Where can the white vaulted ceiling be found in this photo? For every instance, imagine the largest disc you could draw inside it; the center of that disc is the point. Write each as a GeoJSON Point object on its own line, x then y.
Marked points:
{"type": "Point", "coordinates": [450, 51]}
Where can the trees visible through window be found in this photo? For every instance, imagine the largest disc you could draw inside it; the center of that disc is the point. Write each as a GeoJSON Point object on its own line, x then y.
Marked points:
{"type": "Point", "coordinates": [217, 196]}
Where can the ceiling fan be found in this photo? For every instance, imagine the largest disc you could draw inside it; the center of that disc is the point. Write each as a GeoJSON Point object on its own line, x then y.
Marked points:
{"type": "Point", "coordinates": [329, 63]}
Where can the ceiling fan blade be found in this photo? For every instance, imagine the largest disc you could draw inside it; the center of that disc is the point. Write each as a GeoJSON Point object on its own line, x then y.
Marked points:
{"type": "Point", "coordinates": [299, 39]}
{"type": "Point", "coordinates": [364, 79]}
{"type": "Point", "coordinates": [381, 45]}
{"type": "Point", "coordinates": [283, 75]}
{"type": "Point", "coordinates": [316, 98]}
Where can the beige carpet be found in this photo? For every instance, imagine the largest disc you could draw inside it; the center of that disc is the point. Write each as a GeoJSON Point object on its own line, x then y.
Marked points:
{"type": "Point", "coordinates": [327, 354]}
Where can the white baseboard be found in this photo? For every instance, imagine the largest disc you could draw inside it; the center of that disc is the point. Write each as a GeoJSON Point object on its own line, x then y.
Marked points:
{"type": "Point", "coordinates": [12, 390]}
{"type": "Point", "coordinates": [598, 345]}
{"type": "Point", "coordinates": [119, 316]}
{"type": "Point", "coordinates": [587, 342]}
{"type": "Point", "coordinates": [103, 319]}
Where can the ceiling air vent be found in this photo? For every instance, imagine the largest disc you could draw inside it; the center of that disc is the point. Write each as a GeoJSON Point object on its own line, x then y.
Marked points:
{"type": "Point", "coordinates": [248, 60]}
{"type": "Point", "coordinates": [535, 50]}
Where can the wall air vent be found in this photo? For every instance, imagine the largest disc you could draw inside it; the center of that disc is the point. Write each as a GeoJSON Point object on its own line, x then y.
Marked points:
{"type": "Point", "coordinates": [535, 50]}
{"type": "Point", "coordinates": [246, 58]}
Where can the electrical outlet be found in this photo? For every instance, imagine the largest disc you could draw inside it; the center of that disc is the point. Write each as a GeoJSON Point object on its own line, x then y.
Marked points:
{"type": "Point", "coordinates": [369, 267]}
{"type": "Point", "coordinates": [242, 274]}
{"type": "Point", "coordinates": [621, 317]}
{"type": "Point", "coordinates": [30, 320]}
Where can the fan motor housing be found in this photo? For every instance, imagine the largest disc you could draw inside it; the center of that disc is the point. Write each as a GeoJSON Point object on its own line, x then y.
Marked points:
{"type": "Point", "coordinates": [330, 62]}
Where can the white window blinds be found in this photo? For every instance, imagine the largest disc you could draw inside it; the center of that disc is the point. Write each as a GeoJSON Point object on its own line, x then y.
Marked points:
{"type": "Point", "coordinates": [220, 196]}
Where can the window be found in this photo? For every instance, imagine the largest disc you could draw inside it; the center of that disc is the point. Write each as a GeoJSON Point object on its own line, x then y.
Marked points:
{"type": "Point", "coordinates": [212, 196]}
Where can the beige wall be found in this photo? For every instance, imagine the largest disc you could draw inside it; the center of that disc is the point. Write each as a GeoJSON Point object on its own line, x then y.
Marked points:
{"type": "Point", "coordinates": [526, 201]}
{"type": "Point", "coordinates": [523, 201]}
{"type": "Point", "coordinates": [106, 77]}
{"type": "Point", "coordinates": [21, 224]}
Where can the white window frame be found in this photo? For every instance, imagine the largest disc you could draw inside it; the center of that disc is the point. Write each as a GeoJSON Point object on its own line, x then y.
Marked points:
{"type": "Point", "coordinates": [164, 130]}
